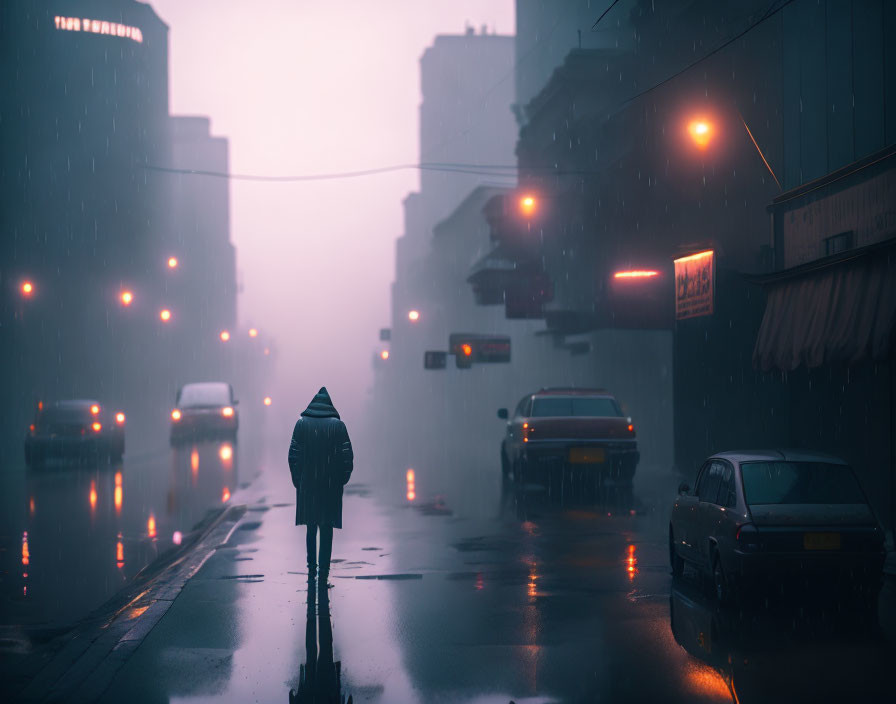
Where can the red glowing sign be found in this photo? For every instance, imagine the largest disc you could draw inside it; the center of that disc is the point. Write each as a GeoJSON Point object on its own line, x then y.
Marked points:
{"type": "Point", "coordinates": [85, 24]}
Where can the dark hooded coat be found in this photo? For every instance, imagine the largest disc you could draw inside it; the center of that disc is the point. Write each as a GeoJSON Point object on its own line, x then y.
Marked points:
{"type": "Point", "coordinates": [320, 461]}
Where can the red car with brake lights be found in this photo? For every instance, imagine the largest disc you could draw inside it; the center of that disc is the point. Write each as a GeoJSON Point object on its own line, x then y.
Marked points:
{"type": "Point", "coordinates": [554, 430]}
{"type": "Point", "coordinates": [204, 410]}
{"type": "Point", "coordinates": [78, 429]}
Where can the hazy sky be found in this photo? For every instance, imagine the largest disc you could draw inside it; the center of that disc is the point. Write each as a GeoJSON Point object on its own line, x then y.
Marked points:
{"type": "Point", "coordinates": [309, 86]}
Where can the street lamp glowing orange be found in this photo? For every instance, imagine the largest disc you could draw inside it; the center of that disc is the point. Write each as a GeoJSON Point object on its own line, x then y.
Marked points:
{"type": "Point", "coordinates": [27, 288]}
{"type": "Point", "coordinates": [126, 298]}
{"type": "Point", "coordinates": [414, 315]}
{"type": "Point", "coordinates": [528, 205]}
{"type": "Point", "coordinates": [253, 332]}
{"type": "Point", "coordinates": [165, 315]}
{"type": "Point", "coordinates": [172, 262]}
{"type": "Point", "coordinates": [701, 132]}
{"type": "Point", "coordinates": [225, 336]}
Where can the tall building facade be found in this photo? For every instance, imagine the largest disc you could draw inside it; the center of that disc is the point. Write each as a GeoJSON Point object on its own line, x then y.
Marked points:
{"type": "Point", "coordinates": [85, 219]}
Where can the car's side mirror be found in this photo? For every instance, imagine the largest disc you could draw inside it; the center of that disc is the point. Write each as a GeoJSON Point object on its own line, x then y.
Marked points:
{"type": "Point", "coordinates": [502, 414]}
{"type": "Point", "coordinates": [683, 488]}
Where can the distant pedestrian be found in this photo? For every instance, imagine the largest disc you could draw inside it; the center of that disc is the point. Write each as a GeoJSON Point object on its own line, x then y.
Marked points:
{"type": "Point", "coordinates": [320, 462]}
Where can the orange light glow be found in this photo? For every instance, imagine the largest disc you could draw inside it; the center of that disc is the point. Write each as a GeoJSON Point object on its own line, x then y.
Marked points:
{"type": "Point", "coordinates": [119, 418]}
{"type": "Point", "coordinates": [97, 427]}
{"type": "Point", "coordinates": [165, 315]}
{"type": "Point", "coordinates": [26, 553]}
{"type": "Point", "coordinates": [227, 411]}
{"type": "Point", "coordinates": [268, 401]}
{"type": "Point", "coordinates": [466, 349]}
{"type": "Point", "coordinates": [225, 453]}
{"type": "Point", "coordinates": [194, 460]}
{"type": "Point", "coordinates": [126, 298]}
{"type": "Point", "coordinates": [31, 427]}
{"type": "Point", "coordinates": [119, 498]}
{"type": "Point", "coordinates": [636, 274]}
{"type": "Point", "coordinates": [151, 526]}
{"type": "Point", "coordinates": [267, 351]}
{"type": "Point", "coordinates": [176, 415]}
{"type": "Point", "coordinates": [225, 336]}
{"type": "Point", "coordinates": [528, 205]}
{"type": "Point", "coordinates": [253, 332]}
{"type": "Point", "coordinates": [533, 580]}
{"type": "Point", "coordinates": [27, 288]}
{"type": "Point", "coordinates": [414, 316]}
{"type": "Point", "coordinates": [384, 355]}
{"type": "Point", "coordinates": [631, 563]}
{"type": "Point", "coordinates": [172, 262]}
{"type": "Point", "coordinates": [701, 132]}
{"type": "Point", "coordinates": [92, 495]}
{"type": "Point", "coordinates": [119, 552]}
{"type": "Point", "coordinates": [225, 495]}
{"type": "Point", "coordinates": [411, 485]}
{"type": "Point", "coordinates": [694, 257]}
{"type": "Point", "coordinates": [31, 506]}
{"type": "Point", "coordinates": [40, 405]}
{"type": "Point", "coordinates": [94, 409]}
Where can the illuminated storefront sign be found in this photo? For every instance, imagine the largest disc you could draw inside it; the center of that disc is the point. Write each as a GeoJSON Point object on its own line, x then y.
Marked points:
{"type": "Point", "coordinates": [84, 24]}
{"type": "Point", "coordinates": [693, 285]}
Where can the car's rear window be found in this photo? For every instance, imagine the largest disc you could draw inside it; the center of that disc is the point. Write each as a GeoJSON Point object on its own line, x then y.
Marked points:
{"type": "Point", "coordinates": [800, 483]}
{"type": "Point", "coordinates": [204, 395]}
{"type": "Point", "coordinates": [64, 414]}
{"type": "Point", "coordinates": [595, 406]}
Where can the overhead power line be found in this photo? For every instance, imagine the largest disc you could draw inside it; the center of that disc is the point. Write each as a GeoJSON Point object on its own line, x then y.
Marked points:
{"type": "Point", "coordinates": [478, 169]}
{"type": "Point", "coordinates": [506, 171]}
{"type": "Point", "coordinates": [603, 14]}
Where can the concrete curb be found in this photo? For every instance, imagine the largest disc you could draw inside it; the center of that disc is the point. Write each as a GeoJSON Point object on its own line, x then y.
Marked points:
{"type": "Point", "coordinates": [85, 660]}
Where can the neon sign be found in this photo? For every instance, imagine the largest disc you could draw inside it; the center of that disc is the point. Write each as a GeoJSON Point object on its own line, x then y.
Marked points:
{"type": "Point", "coordinates": [84, 24]}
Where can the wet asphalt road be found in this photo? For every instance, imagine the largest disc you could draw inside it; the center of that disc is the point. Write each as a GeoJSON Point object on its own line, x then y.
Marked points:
{"type": "Point", "coordinates": [454, 587]}
{"type": "Point", "coordinates": [72, 535]}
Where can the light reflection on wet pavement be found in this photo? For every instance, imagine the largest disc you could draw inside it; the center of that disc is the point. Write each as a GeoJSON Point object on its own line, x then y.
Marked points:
{"type": "Point", "coordinates": [468, 592]}
{"type": "Point", "coordinates": [85, 531]}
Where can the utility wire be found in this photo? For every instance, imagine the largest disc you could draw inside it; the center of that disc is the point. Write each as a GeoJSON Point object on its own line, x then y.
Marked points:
{"type": "Point", "coordinates": [603, 14]}
{"type": "Point", "coordinates": [477, 169]}
{"type": "Point", "coordinates": [768, 14]}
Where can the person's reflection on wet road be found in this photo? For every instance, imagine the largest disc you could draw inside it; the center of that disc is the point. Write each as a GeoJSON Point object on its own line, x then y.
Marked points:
{"type": "Point", "coordinates": [320, 678]}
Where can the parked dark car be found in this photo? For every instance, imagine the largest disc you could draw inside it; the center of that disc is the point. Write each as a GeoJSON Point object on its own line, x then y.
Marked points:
{"type": "Point", "coordinates": [772, 518]}
{"type": "Point", "coordinates": [204, 410]}
{"type": "Point", "coordinates": [74, 430]}
{"type": "Point", "coordinates": [559, 428]}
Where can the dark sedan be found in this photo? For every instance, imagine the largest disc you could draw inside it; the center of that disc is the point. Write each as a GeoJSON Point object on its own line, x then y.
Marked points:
{"type": "Point", "coordinates": [79, 429]}
{"type": "Point", "coordinates": [556, 429]}
{"type": "Point", "coordinates": [778, 518]}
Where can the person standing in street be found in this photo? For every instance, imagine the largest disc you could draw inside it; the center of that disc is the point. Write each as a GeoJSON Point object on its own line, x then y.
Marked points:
{"type": "Point", "coordinates": [320, 462]}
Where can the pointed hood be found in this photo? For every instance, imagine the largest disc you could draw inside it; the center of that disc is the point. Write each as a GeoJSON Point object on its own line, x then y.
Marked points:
{"type": "Point", "coordinates": [321, 406]}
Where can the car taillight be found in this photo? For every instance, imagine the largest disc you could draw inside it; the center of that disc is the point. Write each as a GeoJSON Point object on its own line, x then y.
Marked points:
{"type": "Point", "coordinates": [97, 427]}
{"type": "Point", "coordinates": [31, 428]}
{"type": "Point", "coordinates": [119, 418]}
{"type": "Point", "coordinates": [526, 431]}
{"type": "Point", "coordinates": [175, 415]}
{"type": "Point", "coordinates": [94, 409]}
{"type": "Point", "coordinates": [747, 538]}
{"type": "Point", "coordinates": [227, 411]}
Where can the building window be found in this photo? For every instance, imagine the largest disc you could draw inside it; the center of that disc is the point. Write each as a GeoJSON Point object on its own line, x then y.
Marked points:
{"type": "Point", "coordinates": [838, 243]}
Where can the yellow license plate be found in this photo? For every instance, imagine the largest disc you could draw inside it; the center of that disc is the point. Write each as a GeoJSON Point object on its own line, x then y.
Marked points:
{"type": "Point", "coordinates": [821, 541]}
{"type": "Point", "coordinates": [587, 455]}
